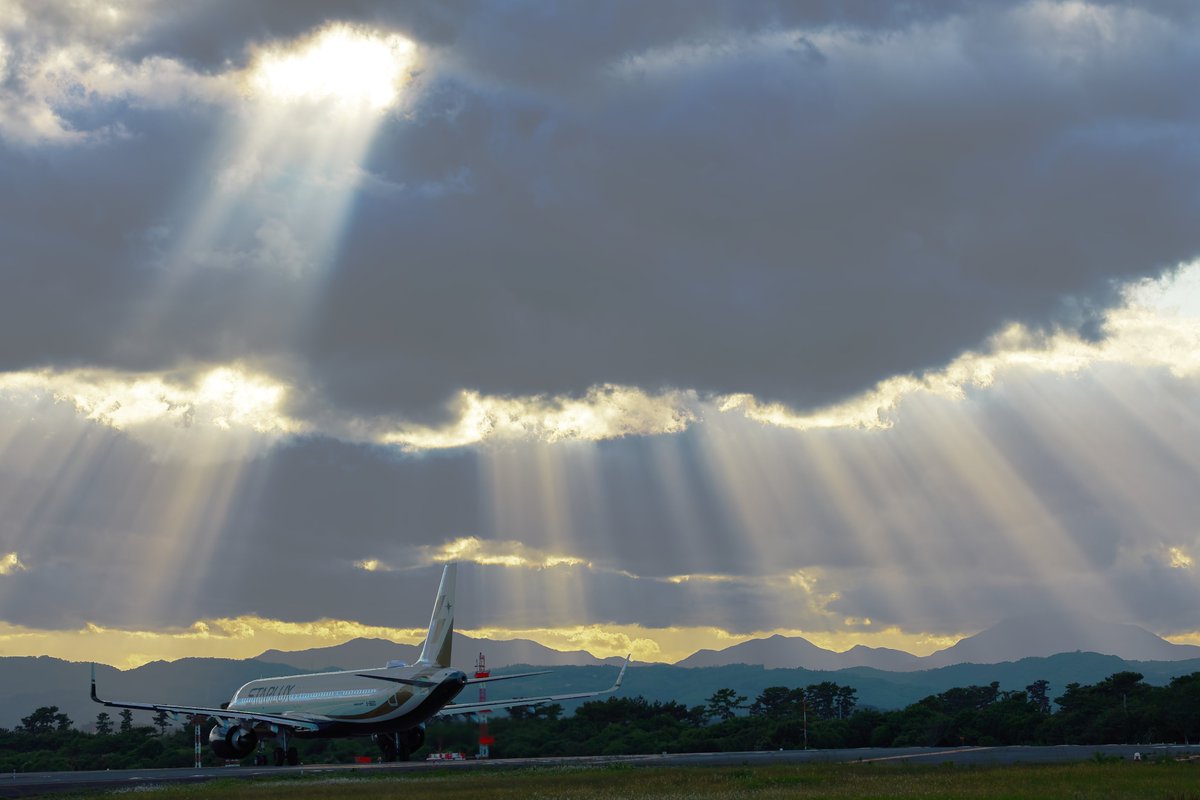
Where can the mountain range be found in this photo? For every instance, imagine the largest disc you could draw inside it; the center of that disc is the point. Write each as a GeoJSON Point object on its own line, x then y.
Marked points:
{"type": "Point", "coordinates": [1033, 636]}
{"type": "Point", "coordinates": [1014, 652]}
{"type": "Point", "coordinates": [376, 652]}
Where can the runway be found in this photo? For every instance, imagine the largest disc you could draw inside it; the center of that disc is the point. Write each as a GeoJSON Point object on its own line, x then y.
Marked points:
{"type": "Point", "coordinates": [42, 783]}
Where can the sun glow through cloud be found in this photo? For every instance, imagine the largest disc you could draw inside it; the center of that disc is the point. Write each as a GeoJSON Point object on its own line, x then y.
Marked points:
{"type": "Point", "coordinates": [350, 66]}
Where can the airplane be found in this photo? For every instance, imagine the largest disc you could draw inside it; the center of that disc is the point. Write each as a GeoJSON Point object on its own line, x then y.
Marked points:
{"type": "Point", "coordinates": [391, 704]}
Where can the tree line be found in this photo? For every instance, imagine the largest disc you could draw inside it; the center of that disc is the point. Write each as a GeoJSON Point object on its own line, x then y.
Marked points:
{"type": "Point", "coordinates": [1122, 708]}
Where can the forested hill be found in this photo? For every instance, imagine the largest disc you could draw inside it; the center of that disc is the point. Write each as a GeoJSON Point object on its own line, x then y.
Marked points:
{"type": "Point", "coordinates": [29, 683]}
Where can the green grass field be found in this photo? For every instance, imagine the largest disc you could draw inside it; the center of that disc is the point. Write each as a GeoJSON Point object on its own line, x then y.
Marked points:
{"type": "Point", "coordinates": [1158, 780]}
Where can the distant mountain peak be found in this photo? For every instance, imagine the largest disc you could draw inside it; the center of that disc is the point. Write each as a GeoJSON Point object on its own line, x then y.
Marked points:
{"type": "Point", "coordinates": [784, 652]}
{"type": "Point", "coordinates": [1037, 635]}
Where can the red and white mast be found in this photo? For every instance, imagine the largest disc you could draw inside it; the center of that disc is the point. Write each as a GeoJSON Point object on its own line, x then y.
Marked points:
{"type": "Point", "coordinates": [485, 738]}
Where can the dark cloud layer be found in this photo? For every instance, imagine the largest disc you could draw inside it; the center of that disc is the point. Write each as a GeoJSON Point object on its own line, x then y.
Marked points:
{"type": "Point", "coordinates": [726, 197]}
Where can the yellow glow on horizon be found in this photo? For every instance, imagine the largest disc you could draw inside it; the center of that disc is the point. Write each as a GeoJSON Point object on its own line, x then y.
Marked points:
{"type": "Point", "coordinates": [350, 66]}
{"type": "Point", "coordinates": [248, 636]}
{"type": "Point", "coordinates": [1192, 637]}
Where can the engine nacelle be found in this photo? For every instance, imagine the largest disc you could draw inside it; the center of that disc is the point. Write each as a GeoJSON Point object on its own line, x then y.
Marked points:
{"type": "Point", "coordinates": [415, 737]}
{"type": "Point", "coordinates": [232, 742]}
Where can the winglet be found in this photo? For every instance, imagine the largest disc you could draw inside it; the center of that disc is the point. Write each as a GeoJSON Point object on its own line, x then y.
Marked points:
{"type": "Point", "coordinates": [97, 699]}
{"type": "Point", "coordinates": [621, 674]}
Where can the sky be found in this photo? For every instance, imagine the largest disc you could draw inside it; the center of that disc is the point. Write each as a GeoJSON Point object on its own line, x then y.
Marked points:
{"type": "Point", "coordinates": [675, 324]}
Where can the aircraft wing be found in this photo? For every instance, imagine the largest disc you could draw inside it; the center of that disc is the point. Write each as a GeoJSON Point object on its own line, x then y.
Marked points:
{"type": "Point", "coordinates": [489, 705]}
{"type": "Point", "coordinates": [222, 714]}
{"type": "Point", "coordinates": [508, 677]}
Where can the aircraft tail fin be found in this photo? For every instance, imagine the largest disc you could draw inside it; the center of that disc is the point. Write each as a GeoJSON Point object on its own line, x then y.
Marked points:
{"type": "Point", "coordinates": [436, 651]}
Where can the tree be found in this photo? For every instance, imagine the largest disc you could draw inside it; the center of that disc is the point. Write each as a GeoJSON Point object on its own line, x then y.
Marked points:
{"type": "Point", "coordinates": [104, 724]}
{"type": "Point", "coordinates": [846, 700]}
{"type": "Point", "coordinates": [1037, 694]}
{"type": "Point", "coordinates": [44, 720]}
{"type": "Point", "coordinates": [723, 704]}
{"type": "Point", "coordinates": [126, 720]}
{"type": "Point", "coordinates": [825, 699]}
{"type": "Point", "coordinates": [161, 722]}
{"type": "Point", "coordinates": [777, 701]}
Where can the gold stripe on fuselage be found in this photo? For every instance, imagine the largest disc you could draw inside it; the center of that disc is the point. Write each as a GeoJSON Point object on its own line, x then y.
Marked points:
{"type": "Point", "coordinates": [348, 696]}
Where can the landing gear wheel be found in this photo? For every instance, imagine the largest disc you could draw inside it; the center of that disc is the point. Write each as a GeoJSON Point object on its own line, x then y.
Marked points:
{"type": "Point", "coordinates": [280, 756]}
{"type": "Point", "coordinates": [293, 758]}
{"type": "Point", "coordinates": [387, 747]}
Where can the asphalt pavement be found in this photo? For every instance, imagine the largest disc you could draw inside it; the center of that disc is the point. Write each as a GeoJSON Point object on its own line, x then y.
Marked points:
{"type": "Point", "coordinates": [30, 784]}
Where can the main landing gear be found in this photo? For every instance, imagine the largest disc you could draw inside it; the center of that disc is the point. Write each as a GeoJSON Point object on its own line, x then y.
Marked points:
{"type": "Point", "coordinates": [399, 746]}
{"type": "Point", "coordinates": [280, 756]}
{"type": "Point", "coordinates": [287, 756]}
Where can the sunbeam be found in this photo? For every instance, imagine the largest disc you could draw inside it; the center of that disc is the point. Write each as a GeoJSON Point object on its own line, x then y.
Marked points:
{"type": "Point", "coordinates": [299, 303]}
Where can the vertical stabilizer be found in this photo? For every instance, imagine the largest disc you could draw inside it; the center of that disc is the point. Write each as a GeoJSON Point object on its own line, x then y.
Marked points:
{"type": "Point", "coordinates": [436, 651]}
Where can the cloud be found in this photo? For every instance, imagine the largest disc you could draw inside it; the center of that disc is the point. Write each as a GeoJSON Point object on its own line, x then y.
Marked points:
{"type": "Point", "coordinates": [1133, 335]}
{"type": "Point", "coordinates": [605, 412]}
{"type": "Point", "coordinates": [58, 78]}
{"type": "Point", "coordinates": [730, 294]}
{"type": "Point", "coordinates": [1178, 559]}
{"type": "Point", "coordinates": [11, 563]}
{"type": "Point", "coordinates": [1150, 331]}
{"type": "Point", "coordinates": [790, 207]}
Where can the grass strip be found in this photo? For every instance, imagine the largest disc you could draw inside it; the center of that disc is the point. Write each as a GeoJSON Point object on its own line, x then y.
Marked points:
{"type": "Point", "coordinates": [1158, 780]}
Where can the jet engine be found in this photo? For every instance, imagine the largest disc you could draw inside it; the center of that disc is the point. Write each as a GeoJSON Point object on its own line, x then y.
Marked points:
{"type": "Point", "coordinates": [232, 742]}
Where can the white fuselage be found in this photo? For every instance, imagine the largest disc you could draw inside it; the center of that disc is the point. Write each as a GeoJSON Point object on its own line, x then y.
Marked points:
{"type": "Point", "coordinates": [354, 701]}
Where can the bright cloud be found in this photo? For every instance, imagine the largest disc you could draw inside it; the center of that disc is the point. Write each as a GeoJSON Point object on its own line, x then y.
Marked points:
{"type": "Point", "coordinates": [606, 412]}
{"type": "Point", "coordinates": [11, 563]}
{"type": "Point", "coordinates": [226, 398]}
{"type": "Point", "coordinates": [46, 86]}
{"type": "Point", "coordinates": [352, 67]}
{"type": "Point", "coordinates": [1178, 559]}
{"type": "Point", "coordinates": [478, 551]}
